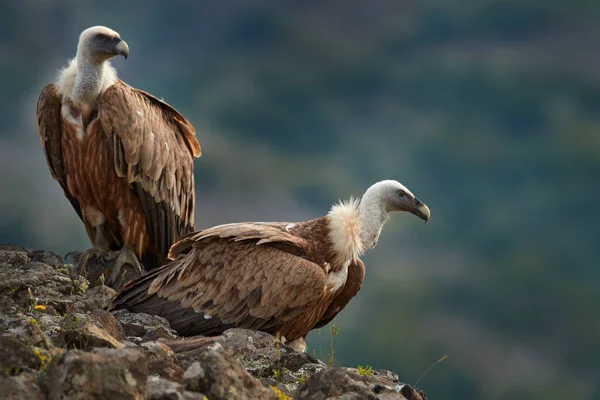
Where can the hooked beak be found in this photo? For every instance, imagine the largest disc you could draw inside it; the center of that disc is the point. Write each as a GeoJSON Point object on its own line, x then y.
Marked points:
{"type": "Point", "coordinates": [420, 210]}
{"type": "Point", "coordinates": [122, 49]}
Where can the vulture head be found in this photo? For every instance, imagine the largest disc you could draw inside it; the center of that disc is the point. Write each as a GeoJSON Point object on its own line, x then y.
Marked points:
{"type": "Point", "coordinates": [377, 203]}
{"type": "Point", "coordinates": [394, 196]}
{"type": "Point", "coordinates": [100, 43]}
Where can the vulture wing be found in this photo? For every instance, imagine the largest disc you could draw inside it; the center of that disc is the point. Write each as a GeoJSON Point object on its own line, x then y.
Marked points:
{"type": "Point", "coordinates": [50, 127]}
{"type": "Point", "coordinates": [153, 148]}
{"type": "Point", "coordinates": [231, 276]}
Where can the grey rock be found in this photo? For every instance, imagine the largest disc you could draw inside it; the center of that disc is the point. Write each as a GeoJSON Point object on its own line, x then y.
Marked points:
{"type": "Point", "coordinates": [27, 328]}
{"type": "Point", "coordinates": [82, 331]}
{"type": "Point", "coordinates": [46, 257]}
{"type": "Point", "coordinates": [163, 389]}
{"type": "Point", "coordinates": [347, 383]}
{"type": "Point", "coordinates": [15, 355]}
{"type": "Point", "coordinates": [109, 323]}
{"type": "Point", "coordinates": [20, 387]}
{"type": "Point", "coordinates": [218, 374]}
{"type": "Point", "coordinates": [162, 361]}
{"type": "Point", "coordinates": [193, 396]}
{"type": "Point", "coordinates": [100, 374]}
{"type": "Point", "coordinates": [13, 255]}
{"type": "Point", "coordinates": [27, 282]}
{"type": "Point", "coordinates": [94, 299]}
{"type": "Point", "coordinates": [50, 325]}
{"type": "Point", "coordinates": [144, 326]}
{"type": "Point", "coordinates": [261, 353]}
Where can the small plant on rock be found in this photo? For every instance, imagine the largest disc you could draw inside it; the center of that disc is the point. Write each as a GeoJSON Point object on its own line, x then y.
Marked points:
{"type": "Point", "coordinates": [365, 371]}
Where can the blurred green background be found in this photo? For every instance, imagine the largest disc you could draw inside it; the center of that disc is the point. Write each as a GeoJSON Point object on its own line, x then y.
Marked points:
{"type": "Point", "coordinates": [489, 111]}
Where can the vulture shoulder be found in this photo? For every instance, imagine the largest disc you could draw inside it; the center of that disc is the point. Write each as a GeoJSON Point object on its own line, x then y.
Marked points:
{"type": "Point", "coordinates": [153, 149]}
{"type": "Point", "coordinates": [230, 275]}
{"type": "Point", "coordinates": [50, 127]}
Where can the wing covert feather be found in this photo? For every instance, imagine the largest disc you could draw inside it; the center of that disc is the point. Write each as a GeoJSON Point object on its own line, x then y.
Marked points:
{"type": "Point", "coordinates": [261, 232]}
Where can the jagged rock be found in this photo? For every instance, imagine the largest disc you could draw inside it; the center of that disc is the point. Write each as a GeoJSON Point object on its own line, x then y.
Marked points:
{"type": "Point", "coordinates": [215, 372]}
{"type": "Point", "coordinates": [100, 374]}
{"type": "Point", "coordinates": [13, 255]}
{"type": "Point", "coordinates": [50, 325]}
{"type": "Point", "coordinates": [81, 331]}
{"type": "Point", "coordinates": [20, 387]}
{"type": "Point", "coordinates": [163, 389]}
{"type": "Point", "coordinates": [267, 359]}
{"type": "Point", "coordinates": [162, 361]}
{"type": "Point", "coordinates": [261, 352]}
{"type": "Point", "coordinates": [96, 298]}
{"type": "Point", "coordinates": [27, 329]}
{"type": "Point", "coordinates": [27, 283]}
{"type": "Point", "coordinates": [144, 326]}
{"type": "Point", "coordinates": [109, 323]}
{"type": "Point", "coordinates": [23, 285]}
{"type": "Point", "coordinates": [331, 383]}
{"type": "Point", "coordinates": [15, 355]}
{"type": "Point", "coordinates": [46, 257]}
{"type": "Point", "coordinates": [289, 381]}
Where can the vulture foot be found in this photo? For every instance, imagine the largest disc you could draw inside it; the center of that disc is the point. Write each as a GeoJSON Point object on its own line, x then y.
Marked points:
{"type": "Point", "coordinates": [82, 259]}
{"type": "Point", "coordinates": [126, 257]}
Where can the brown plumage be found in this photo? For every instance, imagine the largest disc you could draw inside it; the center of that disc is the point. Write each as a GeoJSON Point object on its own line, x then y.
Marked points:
{"type": "Point", "coordinates": [123, 157]}
{"type": "Point", "coordinates": [279, 278]}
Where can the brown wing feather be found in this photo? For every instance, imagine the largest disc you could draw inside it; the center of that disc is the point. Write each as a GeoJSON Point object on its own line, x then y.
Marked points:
{"type": "Point", "coordinates": [153, 149]}
{"type": "Point", "coordinates": [50, 127]}
{"type": "Point", "coordinates": [262, 232]}
{"type": "Point", "coordinates": [238, 284]}
{"type": "Point", "coordinates": [356, 276]}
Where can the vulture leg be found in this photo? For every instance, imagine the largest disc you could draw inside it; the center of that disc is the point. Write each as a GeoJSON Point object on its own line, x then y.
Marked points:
{"type": "Point", "coordinates": [126, 256]}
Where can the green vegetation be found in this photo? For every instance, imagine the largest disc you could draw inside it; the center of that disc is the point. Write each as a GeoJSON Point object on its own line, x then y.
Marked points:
{"type": "Point", "coordinates": [365, 371]}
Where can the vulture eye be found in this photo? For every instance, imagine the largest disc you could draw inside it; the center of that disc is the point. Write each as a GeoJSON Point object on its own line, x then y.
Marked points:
{"type": "Point", "coordinates": [101, 36]}
{"type": "Point", "coordinates": [401, 194]}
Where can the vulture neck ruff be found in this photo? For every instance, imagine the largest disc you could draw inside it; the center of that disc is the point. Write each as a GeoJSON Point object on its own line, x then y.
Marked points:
{"type": "Point", "coordinates": [344, 232]}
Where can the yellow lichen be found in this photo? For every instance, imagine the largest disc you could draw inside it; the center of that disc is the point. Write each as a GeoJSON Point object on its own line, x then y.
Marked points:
{"type": "Point", "coordinates": [279, 393]}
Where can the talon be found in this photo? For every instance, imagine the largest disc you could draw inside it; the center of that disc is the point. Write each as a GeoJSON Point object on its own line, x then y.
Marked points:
{"type": "Point", "coordinates": [126, 257]}
{"type": "Point", "coordinates": [81, 260]}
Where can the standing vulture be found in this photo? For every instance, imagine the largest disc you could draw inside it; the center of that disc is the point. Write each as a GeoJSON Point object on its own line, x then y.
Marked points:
{"type": "Point", "coordinates": [123, 157]}
{"type": "Point", "coordinates": [281, 278]}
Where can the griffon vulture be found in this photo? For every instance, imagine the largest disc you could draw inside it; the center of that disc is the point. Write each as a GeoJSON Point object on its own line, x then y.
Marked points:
{"type": "Point", "coordinates": [123, 157]}
{"type": "Point", "coordinates": [281, 278]}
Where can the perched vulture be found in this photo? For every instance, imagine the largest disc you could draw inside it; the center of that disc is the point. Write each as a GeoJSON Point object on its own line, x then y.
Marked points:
{"type": "Point", "coordinates": [278, 277]}
{"type": "Point", "coordinates": [123, 157]}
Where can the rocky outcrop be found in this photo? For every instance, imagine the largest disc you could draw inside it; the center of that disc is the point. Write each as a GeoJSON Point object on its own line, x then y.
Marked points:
{"type": "Point", "coordinates": [57, 341]}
